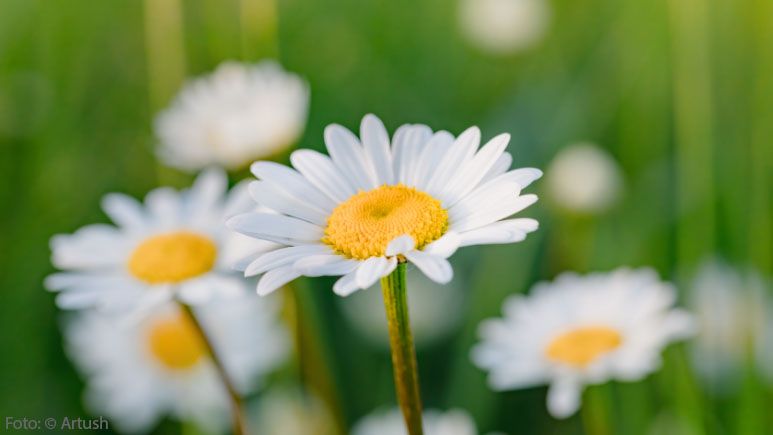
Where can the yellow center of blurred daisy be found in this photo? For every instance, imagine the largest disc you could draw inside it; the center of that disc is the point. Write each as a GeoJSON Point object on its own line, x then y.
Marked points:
{"type": "Point", "coordinates": [175, 342]}
{"type": "Point", "coordinates": [172, 257]}
{"type": "Point", "coordinates": [582, 346]}
{"type": "Point", "coordinates": [363, 225]}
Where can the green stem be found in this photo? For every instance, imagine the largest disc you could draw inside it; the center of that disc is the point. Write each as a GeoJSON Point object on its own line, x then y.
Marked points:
{"type": "Point", "coordinates": [403, 352]}
{"type": "Point", "coordinates": [239, 420]}
{"type": "Point", "coordinates": [595, 411]}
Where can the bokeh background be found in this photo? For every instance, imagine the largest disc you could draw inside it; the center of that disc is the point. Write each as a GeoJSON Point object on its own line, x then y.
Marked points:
{"type": "Point", "coordinates": [678, 93]}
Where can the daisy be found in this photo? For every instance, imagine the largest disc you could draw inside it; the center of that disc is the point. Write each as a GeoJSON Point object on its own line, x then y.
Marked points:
{"type": "Point", "coordinates": [390, 422]}
{"type": "Point", "coordinates": [237, 114]}
{"type": "Point", "coordinates": [140, 372]}
{"type": "Point", "coordinates": [289, 411]}
{"type": "Point", "coordinates": [581, 330]}
{"type": "Point", "coordinates": [504, 26]}
{"type": "Point", "coordinates": [602, 180]}
{"type": "Point", "coordinates": [173, 246]}
{"type": "Point", "coordinates": [376, 202]}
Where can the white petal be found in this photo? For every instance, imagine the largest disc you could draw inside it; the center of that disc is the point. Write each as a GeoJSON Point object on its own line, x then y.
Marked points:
{"type": "Point", "coordinates": [483, 198]}
{"type": "Point", "coordinates": [325, 265]}
{"type": "Point", "coordinates": [407, 155]}
{"type": "Point", "coordinates": [436, 268]}
{"type": "Point", "coordinates": [376, 143]}
{"type": "Point", "coordinates": [564, 397]}
{"type": "Point", "coordinates": [400, 245]}
{"type": "Point", "coordinates": [373, 269]}
{"type": "Point", "coordinates": [346, 285]}
{"type": "Point", "coordinates": [462, 150]}
{"type": "Point", "coordinates": [322, 173]}
{"type": "Point", "coordinates": [207, 191]}
{"type": "Point", "coordinates": [493, 213]}
{"type": "Point", "coordinates": [506, 231]}
{"type": "Point", "coordinates": [474, 171]}
{"type": "Point", "coordinates": [282, 257]}
{"type": "Point", "coordinates": [289, 180]}
{"type": "Point", "coordinates": [273, 227]}
{"type": "Point", "coordinates": [445, 246]}
{"type": "Point", "coordinates": [164, 206]}
{"type": "Point", "coordinates": [266, 194]}
{"type": "Point", "coordinates": [124, 210]}
{"type": "Point", "coordinates": [349, 157]}
{"type": "Point", "coordinates": [276, 278]}
{"type": "Point", "coordinates": [433, 152]}
{"type": "Point", "coordinates": [500, 167]}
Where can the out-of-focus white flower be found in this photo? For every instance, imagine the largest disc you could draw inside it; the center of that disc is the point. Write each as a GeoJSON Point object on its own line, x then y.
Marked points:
{"type": "Point", "coordinates": [584, 178]}
{"type": "Point", "coordinates": [435, 310]}
{"type": "Point", "coordinates": [286, 411]}
{"type": "Point", "coordinates": [375, 202]}
{"type": "Point", "coordinates": [138, 372]}
{"type": "Point", "coordinates": [390, 422]}
{"type": "Point", "coordinates": [504, 26]}
{"type": "Point", "coordinates": [237, 114]}
{"type": "Point", "coordinates": [731, 309]}
{"type": "Point", "coordinates": [581, 330]}
{"type": "Point", "coordinates": [173, 246]}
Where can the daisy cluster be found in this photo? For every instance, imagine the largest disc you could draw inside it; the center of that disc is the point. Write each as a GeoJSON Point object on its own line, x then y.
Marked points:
{"type": "Point", "coordinates": [159, 311]}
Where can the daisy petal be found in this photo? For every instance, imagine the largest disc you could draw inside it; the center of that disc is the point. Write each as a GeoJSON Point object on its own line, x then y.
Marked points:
{"type": "Point", "coordinates": [322, 173]}
{"type": "Point", "coordinates": [445, 246]}
{"type": "Point", "coordinates": [268, 195]}
{"type": "Point", "coordinates": [373, 269]}
{"type": "Point", "coordinates": [436, 268]}
{"type": "Point", "coordinates": [564, 397]}
{"type": "Point", "coordinates": [500, 167]}
{"type": "Point", "coordinates": [407, 158]}
{"type": "Point", "coordinates": [474, 171]}
{"type": "Point", "coordinates": [282, 257]}
{"type": "Point", "coordinates": [376, 143]}
{"type": "Point", "coordinates": [124, 210]}
{"type": "Point", "coordinates": [349, 157]}
{"type": "Point", "coordinates": [325, 265]}
{"type": "Point", "coordinates": [276, 278]}
{"type": "Point", "coordinates": [493, 213]}
{"type": "Point", "coordinates": [460, 152]}
{"type": "Point", "coordinates": [346, 285]}
{"type": "Point", "coordinates": [293, 183]}
{"type": "Point", "coordinates": [400, 245]}
{"type": "Point", "coordinates": [272, 226]}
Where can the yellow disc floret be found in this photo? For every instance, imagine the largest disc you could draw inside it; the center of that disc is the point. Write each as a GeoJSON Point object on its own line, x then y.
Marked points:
{"type": "Point", "coordinates": [363, 225]}
{"type": "Point", "coordinates": [175, 342]}
{"type": "Point", "coordinates": [172, 257]}
{"type": "Point", "coordinates": [582, 346]}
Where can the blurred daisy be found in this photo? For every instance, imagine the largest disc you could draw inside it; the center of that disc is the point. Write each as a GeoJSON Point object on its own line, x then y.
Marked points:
{"type": "Point", "coordinates": [453, 422]}
{"type": "Point", "coordinates": [137, 373]}
{"type": "Point", "coordinates": [435, 310]}
{"type": "Point", "coordinates": [236, 115]}
{"type": "Point", "coordinates": [581, 330]}
{"type": "Point", "coordinates": [583, 178]}
{"type": "Point", "coordinates": [504, 26]}
{"type": "Point", "coordinates": [287, 411]}
{"type": "Point", "coordinates": [730, 307]}
{"type": "Point", "coordinates": [357, 214]}
{"type": "Point", "coordinates": [175, 245]}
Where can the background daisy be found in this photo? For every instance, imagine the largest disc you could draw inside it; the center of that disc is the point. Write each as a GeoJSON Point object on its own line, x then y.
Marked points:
{"type": "Point", "coordinates": [580, 330]}
{"type": "Point", "coordinates": [390, 422]}
{"type": "Point", "coordinates": [416, 198]}
{"type": "Point", "coordinates": [173, 245]}
{"type": "Point", "coordinates": [239, 113]}
{"type": "Point", "coordinates": [140, 372]}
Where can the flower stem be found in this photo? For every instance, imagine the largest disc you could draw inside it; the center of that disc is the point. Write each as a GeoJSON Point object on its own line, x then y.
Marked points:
{"type": "Point", "coordinates": [239, 420]}
{"type": "Point", "coordinates": [403, 352]}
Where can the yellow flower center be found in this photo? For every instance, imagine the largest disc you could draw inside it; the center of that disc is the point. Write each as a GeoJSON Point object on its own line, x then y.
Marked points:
{"type": "Point", "coordinates": [175, 342]}
{"type": "Point", "coordinates": [172, 257]}
{"type": "Point", "coordinates": [362, 226]}
{"type": "Point", "coordinates": [582, 346]}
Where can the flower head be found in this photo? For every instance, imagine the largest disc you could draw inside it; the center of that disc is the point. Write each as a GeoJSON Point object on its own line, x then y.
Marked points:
{"type": "Point", "coordinates": [138, 372]}
{"type": "Point", "coordinates": [236, 115]}
{"type": "Point", "coordinates": [390, 422]}
{"type": "Point", "coordinates": [370, 205]}
{"type": "Point", "coordinates": [584, 178]}
{"type": "Point", "coordinates": [172, 246]}
{"type": "Point", "coordinates": [581, 330]}
{"type": "Point", "coordinates": [504, 26]}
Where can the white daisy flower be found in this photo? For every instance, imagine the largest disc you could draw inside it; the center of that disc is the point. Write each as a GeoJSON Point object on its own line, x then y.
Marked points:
{"type": "Point", "coordinates": [435, 310]}
{"type": "Point", "coordinates": [504, 26]}
{"type": "Point", "coordinates": [236, 115]}
{"type": "Point", "coordinates": [731, 309]}
{"type": "Point", "coordinates": [357, 213]}
{"type": "Point", "coordinates": [584, 178]}
{"type": "Point", "coordinates": [581, 330]}
{"type": "Point", "coordinates": [286, 411]}
{"type": "Point", "coordinates": [140, 372]}
{"type": "Point", "coordinates": [175, 245]}
{"type": "Point", "coordinates": [390, 422]}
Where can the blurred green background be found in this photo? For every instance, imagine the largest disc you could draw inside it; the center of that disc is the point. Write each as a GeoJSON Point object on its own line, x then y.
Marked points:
{"type": "Point", "coordinates": [679, 92]}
